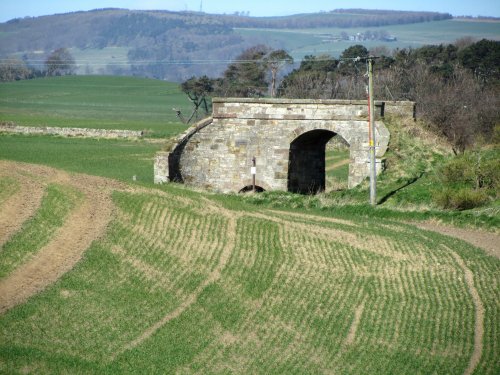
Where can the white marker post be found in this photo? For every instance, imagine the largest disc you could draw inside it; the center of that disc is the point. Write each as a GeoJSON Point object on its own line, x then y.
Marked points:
{"type": "Point", "coordinates": [253, 172]}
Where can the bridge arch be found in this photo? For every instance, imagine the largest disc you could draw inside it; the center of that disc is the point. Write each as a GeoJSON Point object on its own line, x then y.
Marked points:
{"type": "Point", "coordinates": [287, 138]}
{"type": "Point", "coordinates": [306, 161]}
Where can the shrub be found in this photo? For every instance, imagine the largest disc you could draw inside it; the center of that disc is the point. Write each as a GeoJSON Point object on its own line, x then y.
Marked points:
{"type": "Point", "coordinates": [473, 169]}
{"type": "Point", "coordinates": [490, 174]}
{"type": "Point", "coordinates": [468, 181]}
{"type": "Point", "coordinates": [457, 171]}
{"type": "Point", "coordinates": [460, 199]}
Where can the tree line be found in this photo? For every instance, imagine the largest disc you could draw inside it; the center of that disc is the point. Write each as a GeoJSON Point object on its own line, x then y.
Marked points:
{"type": "Point", "coordinates": [60, 62]}
{"type": "Point", "coordinates": [456, 87]}
{"type": "Point", "coordinates": [343, 18]}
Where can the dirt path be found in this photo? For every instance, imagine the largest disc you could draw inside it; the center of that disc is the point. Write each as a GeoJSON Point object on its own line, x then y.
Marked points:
{"type": "Point", "coordinates": [337, 165]}
{"type": "Point", "coordinates": [85, 224]}
{"type": "Point", "coordinates": [20, 206]}
{"type": "Point", "coordinates": [479, 314]}
{"type": "Point", "coordinates": [488, 241]}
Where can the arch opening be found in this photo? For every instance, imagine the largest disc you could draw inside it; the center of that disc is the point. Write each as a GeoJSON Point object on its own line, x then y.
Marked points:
{"type": "Point", "coordinates": [337, 164]}
{"type": "Point", "coordinates": [249, 189]}
{"type": "Point", "coordinates": [306, 163]}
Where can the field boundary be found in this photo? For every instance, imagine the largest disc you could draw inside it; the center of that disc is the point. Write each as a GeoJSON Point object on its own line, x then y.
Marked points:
{"type": "Point", "coordinates": [69, 132]}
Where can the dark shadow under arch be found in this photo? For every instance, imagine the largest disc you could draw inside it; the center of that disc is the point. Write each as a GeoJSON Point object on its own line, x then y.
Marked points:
{"type": "Point", "coordinates": [306, 165]}
{"type": "Point", "coordinates": [249, 189]}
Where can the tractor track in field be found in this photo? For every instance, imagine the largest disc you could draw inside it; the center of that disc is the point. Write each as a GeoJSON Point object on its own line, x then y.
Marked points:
{"type": "Point", "coordinates": [232, 218]}
{"type": "Point", "coordinates": [478, 312]}
{"type": "Point", "coordinates": [487, 241]}
{"type": "Point", "coordinates": [20, 206]}
{"type": "Point", "coordinates": [351, 336]}
{"type": "Point", "coordinates": [86, 223]}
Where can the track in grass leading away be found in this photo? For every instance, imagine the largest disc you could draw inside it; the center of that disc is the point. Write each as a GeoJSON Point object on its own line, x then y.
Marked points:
{"type": "Point", "coordinates": [86, 223]}
{"type": "Point", "coordinates": [173, 281]}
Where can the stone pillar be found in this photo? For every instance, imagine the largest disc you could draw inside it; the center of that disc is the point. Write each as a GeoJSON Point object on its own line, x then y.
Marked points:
{"type": "Point", "coordinates": [161, 171]}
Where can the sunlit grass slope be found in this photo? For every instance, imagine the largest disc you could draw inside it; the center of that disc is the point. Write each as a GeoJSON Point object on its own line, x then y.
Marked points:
{"type": "Point", "coordinates": [95, 102]}
{"type": "Point", "coordinates": [120, 159]}
{"type": "Point", "coordinates": [186, 283]}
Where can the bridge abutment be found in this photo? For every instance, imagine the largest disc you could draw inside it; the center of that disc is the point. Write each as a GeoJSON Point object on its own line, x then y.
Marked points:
{"type": "Point", "coordinates": [286, 136]}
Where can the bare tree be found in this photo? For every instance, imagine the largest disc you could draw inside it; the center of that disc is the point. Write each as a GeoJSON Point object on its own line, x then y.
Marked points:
{"type": "Point", "coordinates": [60, 62]}
{"type": "Point", "coordinates": [197, 89]}
{"type": "Point", "coordinates": [13, 70]}
{"type": "Point", "coordinates": [458, 107]}
{"type": "Point", "coordinates": [275, 61]}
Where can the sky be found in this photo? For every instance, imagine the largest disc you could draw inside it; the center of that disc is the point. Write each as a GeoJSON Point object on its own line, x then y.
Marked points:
{"type": "Point", "coordinates": [21, 8]}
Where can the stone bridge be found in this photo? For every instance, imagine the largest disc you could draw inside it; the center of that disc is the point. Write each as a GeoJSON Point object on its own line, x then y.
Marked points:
{"type": "Point", "coordinates": [287, 138]}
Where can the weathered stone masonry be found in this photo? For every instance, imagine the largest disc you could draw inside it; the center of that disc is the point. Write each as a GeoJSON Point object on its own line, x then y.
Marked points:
{"type": "Point", "coordinates": [287, 138]}
{"type": "Point", "coordinates": [69, 132]}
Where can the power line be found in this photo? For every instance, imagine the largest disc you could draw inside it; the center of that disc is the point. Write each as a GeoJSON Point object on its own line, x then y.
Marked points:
{"type": "Point", "coordinates": [103, 62]}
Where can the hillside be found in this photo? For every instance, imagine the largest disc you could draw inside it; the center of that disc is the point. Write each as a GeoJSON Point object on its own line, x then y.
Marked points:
{"type": "Point", "coordinates": [177, 45]}
{"type": "Point", "coordinates": [178, 281]}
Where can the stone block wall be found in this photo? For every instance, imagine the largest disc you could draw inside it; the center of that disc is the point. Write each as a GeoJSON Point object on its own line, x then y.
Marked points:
{"type": "Point", "coordinates": [217, 154]}
{"type": "Point", "coordinates": [70, 132]}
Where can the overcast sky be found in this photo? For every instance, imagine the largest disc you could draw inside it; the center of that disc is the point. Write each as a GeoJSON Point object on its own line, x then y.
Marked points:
{"type": "Point", "coordinates": [21, 8]}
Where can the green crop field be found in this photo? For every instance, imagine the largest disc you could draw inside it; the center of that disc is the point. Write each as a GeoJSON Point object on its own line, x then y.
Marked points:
{"type": "Point", "coordinates": [185, 282]}
{"type": "Point", "coordinates": [95, 102]}
{"type": "Point", "coordinates": [106, 275]}
{"type": "Point", "coordinates": [95, 61]}
{"type": "Point", "coordinates": [304, 42]}
{"type": "Point", "coordinates": [120, 159]}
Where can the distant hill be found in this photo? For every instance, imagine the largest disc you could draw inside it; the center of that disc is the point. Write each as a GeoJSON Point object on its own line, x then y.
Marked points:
{"type": "Point", "coordinates": [173, 45]}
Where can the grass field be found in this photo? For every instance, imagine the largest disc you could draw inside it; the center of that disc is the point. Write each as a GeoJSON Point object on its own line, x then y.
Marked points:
{"type": "Point", "coordinates": [120, 159]}
{"type": "Point", "coordinates": [300, 43]}
{"type": "Point", "coordinates": [105, 277]}
{"type": "Point", "coordinates": [95, 102]}
{"type": "Point", "coordinates": [184, 282]}
{"type": "Point", "coordinates": [96, 61]}
{"type": "Point", "coordinates": [337, 169]}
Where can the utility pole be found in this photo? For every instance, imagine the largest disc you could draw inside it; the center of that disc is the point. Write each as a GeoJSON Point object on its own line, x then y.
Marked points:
{"type": "Point", "coordinates": [371, 135]}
